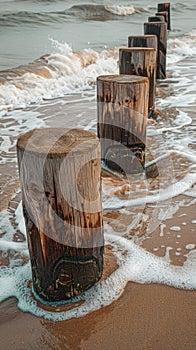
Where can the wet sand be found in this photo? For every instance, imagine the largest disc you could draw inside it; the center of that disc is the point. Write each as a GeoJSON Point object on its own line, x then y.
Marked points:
{"type": "Point", "coordinates": [146, 317]}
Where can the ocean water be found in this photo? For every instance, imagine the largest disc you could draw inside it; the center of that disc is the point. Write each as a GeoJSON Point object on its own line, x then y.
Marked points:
{"type": "Point", "coordinates": [50, 55]}
{"type": "Point", "coordinates": [27, 26]}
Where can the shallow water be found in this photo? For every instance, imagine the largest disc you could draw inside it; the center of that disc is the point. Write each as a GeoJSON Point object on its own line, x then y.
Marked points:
{"type": "Point", "coordinates": [145, 220]}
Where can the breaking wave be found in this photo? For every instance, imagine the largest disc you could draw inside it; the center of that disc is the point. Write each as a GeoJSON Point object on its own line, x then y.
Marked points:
{"type": "Point", "coordinates": [87, 11]}
{"type": "Point", "coordinates": [55, 75]}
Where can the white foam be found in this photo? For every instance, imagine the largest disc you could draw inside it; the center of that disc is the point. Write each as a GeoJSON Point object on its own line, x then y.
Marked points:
{"type": "Point", "coordinates": [20, 219]}
{"type": "Point", "coordinates": [136, 265]}
{"type": "Point", "coordinates": [7, 281]}
{"type": "Point", "coordinates": [68, 72]}
{"type": "Point", "coordinates": [190, 246]}
{"type": "Point", "coordinates": [5, 225]}
{"type": "Point", "coordinates": [180, 121]}
{"type": "Point", "coordinates": [175, 228]}
{"type": "Point", "coordinates": [191, 192]}
{"type": "Point", "coordinates": [168, 213]}
{"type": "Point", "coordinates": [162, 226]}
{"type": "Point", "coordinates": [171, 191]}
{"type": "Point", "coordinates": [179, 48]}
{"type": "Point", "coordinates": [16, 246]}
{"type": "Point", "coordinates": [121, 10]}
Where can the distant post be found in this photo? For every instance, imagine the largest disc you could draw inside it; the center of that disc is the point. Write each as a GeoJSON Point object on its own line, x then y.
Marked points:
{"type": "Point", "coordinates": [140, 61]}
{"type": "Point", "coordinates": [164, 14]}
{"type": "Point", "coordinates": [142, 41]}
{"type": "Point", "coordinates": [160, 30]}
{"type": "Point", "coordinates": [156, 18]}
{"type": "Point", "coordinates": [122, 107]}
{"type": "Point", "coordinates": [165, 7]}
{"type": "Point", "coordinates": [60, 179]}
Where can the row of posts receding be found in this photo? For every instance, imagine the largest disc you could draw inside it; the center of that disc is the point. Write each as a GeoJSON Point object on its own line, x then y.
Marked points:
{"type": "Point", "coordinates": [60, 169]}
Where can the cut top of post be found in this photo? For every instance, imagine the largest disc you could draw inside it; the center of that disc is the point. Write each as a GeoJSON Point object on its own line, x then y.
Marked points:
{"type": "Point", "coordinates": [165, 15]}
{"type": "Point", "coordinates": [150, 26]}
{"type": "Point", "coordinates": [56, 142]}
{"type": "Point", "coordinates": [157, 18]}
{"type": "Point", "coordinates": [129, 49]}
{"type": "Point", "coordinates": [148, 40]}
{"type": "Point", "coordinates": [123, 79]}
{"type": "Point", "coordinates": [164, 5]}
{"type": "Point", "coordinates": [142, 36]}
{"type": "Point", "coordinates": [156, 23]}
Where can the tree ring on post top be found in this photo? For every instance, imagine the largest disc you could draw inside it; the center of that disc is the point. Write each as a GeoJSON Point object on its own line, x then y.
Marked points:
{"type": "Point", "coordinates": [122, 79]}
{"type": "Point", "coordinates": [56, 142]}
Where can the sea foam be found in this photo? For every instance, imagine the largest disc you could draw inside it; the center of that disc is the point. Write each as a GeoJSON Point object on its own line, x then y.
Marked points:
{"type": "Point", "coordinates": [121, 10]}
{"type": "Point", "coordinates": [64, 71]}
{"type": "Point", "coordinates": [135, 265]}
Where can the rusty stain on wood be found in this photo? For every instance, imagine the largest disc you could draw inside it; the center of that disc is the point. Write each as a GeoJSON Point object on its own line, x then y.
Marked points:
{"type": "Point", "coordinates": [140, 61]}
{"type": "Point", "coordinates": [160, 30]}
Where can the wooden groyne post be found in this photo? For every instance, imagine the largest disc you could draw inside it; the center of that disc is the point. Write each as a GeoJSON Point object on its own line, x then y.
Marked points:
{"type": "Point", "coordinates": [160, 30]}
{"type": "Point", "coordinates": [165, 7]}
{"type": "Point", "coordinates": [157, 18]}
{"type": "Point", "coordinates": [163, 14]}
{"type": "Point", "coordinates": [142, 41]}
{"type": "Point", "coordinates": [60, 179]}
{"type": "Point", "coordinates": [122, 108]}
{"type": "Point", "coordinates": [140, 61]}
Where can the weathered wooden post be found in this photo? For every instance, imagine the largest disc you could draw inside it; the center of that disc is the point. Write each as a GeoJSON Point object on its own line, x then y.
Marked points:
{"type": "Point", "coordinates": [165, 7]}
{"type": "Point", "coordinates": [60, 179]}
{"type": "Point", "coordinates": [164, 14]}
{"type": "Point", "coordinates": [156, 18]}
{"type": "Point", "coordinates": [142, 41]}
{"type": "Point", "coordinates": [160, 30]}
{"type": "Point", "coordinates": [122, 102]}
{"type": "Point", "coordinates": [140, 61]}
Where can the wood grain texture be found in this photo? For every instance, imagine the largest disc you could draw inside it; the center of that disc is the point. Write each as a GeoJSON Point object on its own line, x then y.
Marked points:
{"type": "Point", "coordinates": [142, 41]}
{"type": "Point", "coordinates": [160, 30]}
{"type": "Point", "coordinates": [165, 7]}
{"type": "Point", "coordinates": [60, 179]}
{"type": "Point", "coordinates": [122, 107]}
{"type": "Point", "coordinates": [142, 62]}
